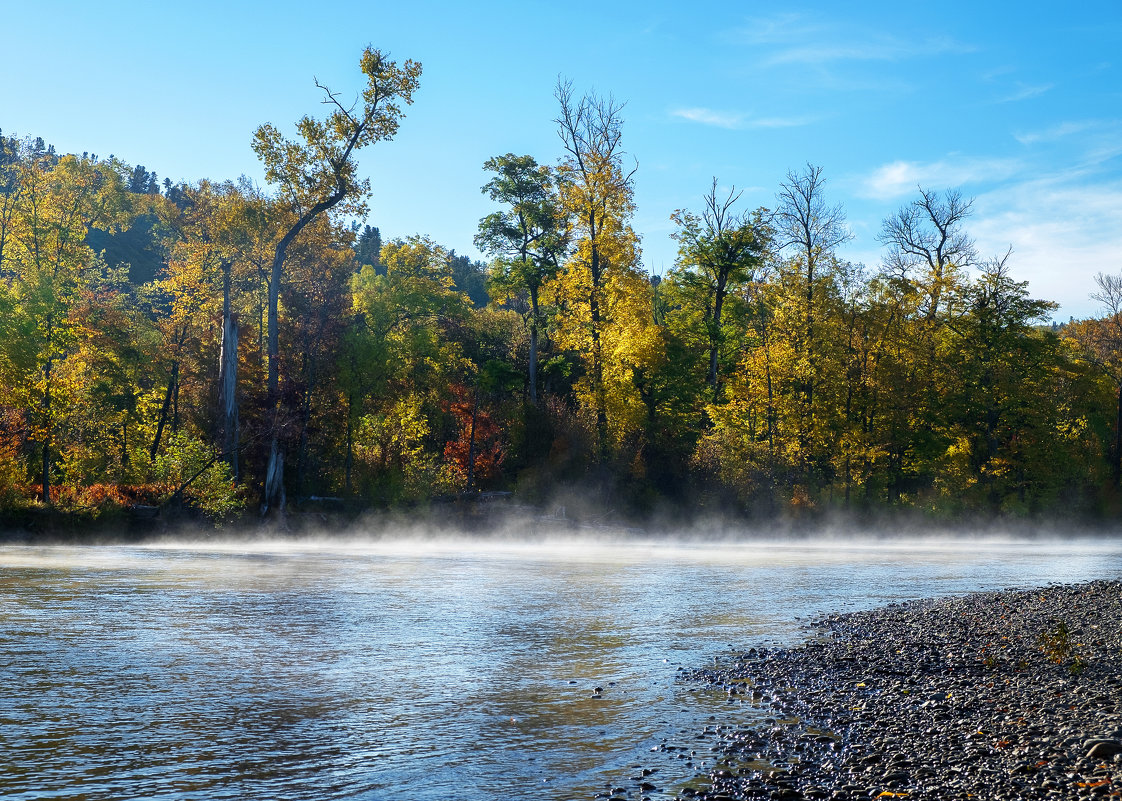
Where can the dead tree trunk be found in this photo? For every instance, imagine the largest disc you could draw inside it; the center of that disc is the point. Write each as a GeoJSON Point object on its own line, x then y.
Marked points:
{"type": "Point", "coordinates": [228, 378]}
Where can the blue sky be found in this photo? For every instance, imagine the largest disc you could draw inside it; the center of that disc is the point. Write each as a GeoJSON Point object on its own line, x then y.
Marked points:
{"type": "Point", "coordinates": [1017, 105]}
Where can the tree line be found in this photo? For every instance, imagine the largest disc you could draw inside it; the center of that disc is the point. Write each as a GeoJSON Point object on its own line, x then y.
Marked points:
{"type": "Point", "coordinates": [236, 350]}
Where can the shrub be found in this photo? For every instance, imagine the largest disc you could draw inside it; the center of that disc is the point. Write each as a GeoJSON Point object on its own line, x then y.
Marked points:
{"type": "Point", "coordinates": [192, 468]}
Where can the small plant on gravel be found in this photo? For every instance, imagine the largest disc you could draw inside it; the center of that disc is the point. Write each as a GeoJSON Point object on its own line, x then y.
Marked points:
{"type": "Point", "coordinates": [1059, 647]}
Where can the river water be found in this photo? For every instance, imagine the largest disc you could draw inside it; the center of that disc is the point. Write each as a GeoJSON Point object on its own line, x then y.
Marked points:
{"type": "Point", "coordinates": [419, 669]}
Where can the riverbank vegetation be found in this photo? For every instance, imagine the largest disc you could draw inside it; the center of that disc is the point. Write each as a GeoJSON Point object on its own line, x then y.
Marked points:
{"type": "Point", "coordinates": [238, 350]}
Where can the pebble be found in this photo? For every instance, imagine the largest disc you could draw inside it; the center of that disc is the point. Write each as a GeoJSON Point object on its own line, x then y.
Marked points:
{"type": "Point", "coordinates": [993, 696]}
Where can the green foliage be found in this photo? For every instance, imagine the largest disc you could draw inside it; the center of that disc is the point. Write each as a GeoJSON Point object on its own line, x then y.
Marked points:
{"type": "Point", "coordinates": [720, 257]}
{"type": "Point", "coordinates": [320, 165]}
{"type": "Point", "coordinates": [1059, 647]}
{"type": "Point", "coordinates": [392, 445]}
{"type": "Point", "coordinates": [764, 373]}
{"type": "Point", "coordinates": [368, 247]}
{"type": "Point", "coordinates": [192, 471]}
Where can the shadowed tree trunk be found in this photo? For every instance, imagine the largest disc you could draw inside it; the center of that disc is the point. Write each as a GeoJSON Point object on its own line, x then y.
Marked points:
{"type": "Point", "coordinates": [228, 377]}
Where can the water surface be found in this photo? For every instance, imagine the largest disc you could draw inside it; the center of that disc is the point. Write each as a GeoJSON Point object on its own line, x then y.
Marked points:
{"type": "Point", "coordinates": [418, 669]}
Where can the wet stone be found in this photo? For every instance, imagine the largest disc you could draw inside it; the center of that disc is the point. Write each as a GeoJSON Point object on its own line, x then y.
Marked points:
{"type": "Point", "coordinates": [946, 699]}
{"type": "Point", "coordinates": [1105, 749]}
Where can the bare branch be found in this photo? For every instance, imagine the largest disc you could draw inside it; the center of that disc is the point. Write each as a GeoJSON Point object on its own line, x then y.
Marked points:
{"type": "Point", "coordinates": [332, 99]}
{"type": "Point", "coordinates": [804, 220]}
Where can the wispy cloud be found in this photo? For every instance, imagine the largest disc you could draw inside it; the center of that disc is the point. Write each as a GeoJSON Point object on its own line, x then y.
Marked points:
{"type": "Point", "coordinates": [1103, 138]}
{"type": "Point", "coordinates": [882, 47]}
{"type": "Point", "coordinates": [1063, 231]}
{"type": "Point", "coordinates": [1025, 92]}
{"type": "Point", "coordinates": [902, 177]}
{"type": "Point", "coordinates": [707, 116]}
{"type": "Point", "coordinates": [780, 28]}
{"type": "Point", "coordinates": [1060, 131]}
{"type": "Point", "coordinates": [1097, 145]}
{"type": "Point", "coordinates": [796, 39]}
{"type": "Point", "coordinates": [736, 120]}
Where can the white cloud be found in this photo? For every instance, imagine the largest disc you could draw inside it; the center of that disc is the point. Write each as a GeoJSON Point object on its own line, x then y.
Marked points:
{"type": "Point", "coordinates": [734, 120]}
{"type": "Point", "coordinates": [1062, 233]}
{"type": "Point", "coordinates": [799, 40]}
{"type": "Point", "coordinates": [707, 116]}
{"type": "Point", "coordinates": [1059, 131]}
{"type": "Point", "coordinates": [1025, 92]}
{"type": "Point", "coordinates": [877, 48]}
{"type": "Point", "coordinates": [903, 177]}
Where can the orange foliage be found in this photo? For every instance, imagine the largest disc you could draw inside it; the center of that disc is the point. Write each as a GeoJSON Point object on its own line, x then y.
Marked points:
{"type": "Point", "coordinates": [489, 452]}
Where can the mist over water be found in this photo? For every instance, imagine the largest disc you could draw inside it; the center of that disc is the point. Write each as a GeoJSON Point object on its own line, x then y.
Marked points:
{"type": "Point", "coordinates": [421, 668]}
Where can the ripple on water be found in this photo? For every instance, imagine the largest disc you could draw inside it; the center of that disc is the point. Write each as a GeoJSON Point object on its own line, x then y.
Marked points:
{"type": "Point", "coordinates": [372, 671]}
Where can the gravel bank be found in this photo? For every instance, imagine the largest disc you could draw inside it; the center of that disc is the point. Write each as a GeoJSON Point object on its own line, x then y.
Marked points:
{"type": "Point", "coordinates": [1002, 695]}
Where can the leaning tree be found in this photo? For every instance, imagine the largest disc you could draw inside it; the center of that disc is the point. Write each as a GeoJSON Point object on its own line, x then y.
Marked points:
{"type": "Point", "coordinates": [315, 174]}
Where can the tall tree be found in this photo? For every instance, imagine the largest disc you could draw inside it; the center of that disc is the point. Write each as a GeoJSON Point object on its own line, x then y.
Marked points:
{"type": "Point", "coordinates": [999, 409]}
{"type": "Point", "coordinates": [368, 247]}
{"type": "Point", "coordinates": [926, 237]}
{"type": "Point", "coordinates": [722, 250]}
{"type": "Point", "coordinates": [317, 174]}
{"type": "Point", "coordinates": [1100, 343]}
{"type": "Point", "coordinates": [527, 239]}
{"type": "Point", "coordinates": [810, 229]}
{"type": "Point", "coordinates": [597, 194]}
{"type": "Point", "coordinates": [58, 202]}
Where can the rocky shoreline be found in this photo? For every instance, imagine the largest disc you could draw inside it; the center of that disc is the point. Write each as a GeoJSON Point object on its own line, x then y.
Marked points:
{"type": "Point", "coordinates": [998, 695]}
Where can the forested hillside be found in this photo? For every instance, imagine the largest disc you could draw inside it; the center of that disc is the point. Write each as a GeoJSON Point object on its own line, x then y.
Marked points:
{"type": "Point", "coordinates": [241, 351]}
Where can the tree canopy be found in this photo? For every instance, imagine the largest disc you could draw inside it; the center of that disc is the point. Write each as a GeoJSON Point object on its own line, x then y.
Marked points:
{"type": "Point", "coordinates": [220, 348]}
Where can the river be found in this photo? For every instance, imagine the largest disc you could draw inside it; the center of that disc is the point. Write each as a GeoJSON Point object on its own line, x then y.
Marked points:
{"type": "Point", "coordinates": [420, 669]}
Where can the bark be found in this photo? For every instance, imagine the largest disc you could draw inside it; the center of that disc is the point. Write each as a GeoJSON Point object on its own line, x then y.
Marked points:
{"type": "Point", "coordinates": [348, 464]}
{"type": "Point", "coordinates": [597, 352]}
{"type": "Point", "coordinates": [274, 492]}
{"type": "Point", "coordinates": [165, 410]}
{"type": "Point", "coordinates": [598, 380]}
{"type": "Point", "coordinates": [274, 480]}
{"type": "Point", "coordinates": [715, 339]}
{"type": "Point", "coordinates": [228, 378]}
{"type": "Point", "coordinates": [46, 467]}
{"type": "Point", "coordinates": [1118, 440]}
{"type": "Point", "coordinates": [471, 442]}
{"type": "Point", "coordinates": [533, 345]}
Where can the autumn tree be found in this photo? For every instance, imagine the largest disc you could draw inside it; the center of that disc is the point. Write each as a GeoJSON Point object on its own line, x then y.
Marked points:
{"type": "Point", "coordinates": [527, 238]}
{"type": "Point", "coordinates": [1100, 344]}
{"type": "Point", "coordinates": [719, 252]}
{"type": "Point", "coordinates": [46, 264]}
{"type": "Point", "coordinates": [316, 174]}
{"type": "Point", "coordinates": [397, 364]}
{"type": "Point", "coordinates": [927, 244]}
{"type": "Point", "coordinates": [809, 230]}
{"type": "Point", "coordinates": [603, 297]}
{"type": "Point", "coordinates": [205, 245]}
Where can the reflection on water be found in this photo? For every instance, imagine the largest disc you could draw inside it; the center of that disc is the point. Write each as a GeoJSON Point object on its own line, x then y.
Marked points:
{"type": "Point", "coordinates": [415, 670]}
